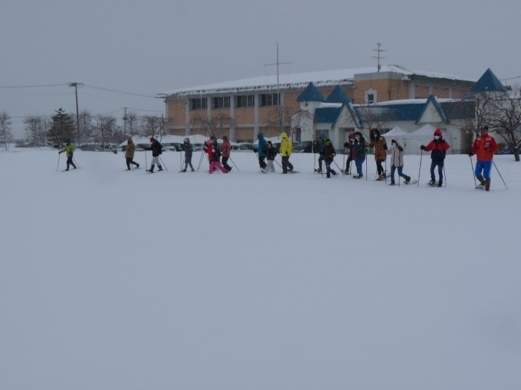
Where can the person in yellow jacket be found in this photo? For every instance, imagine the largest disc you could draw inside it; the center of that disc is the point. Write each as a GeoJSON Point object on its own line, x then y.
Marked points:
{"type": "Point", "coordinates": [286, 147]}
{"type": "Point", "coordinates": [69, 152]}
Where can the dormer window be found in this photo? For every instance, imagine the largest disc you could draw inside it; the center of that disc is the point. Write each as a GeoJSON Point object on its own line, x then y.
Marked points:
{"type": "Point", "coordinates": [370, 96]}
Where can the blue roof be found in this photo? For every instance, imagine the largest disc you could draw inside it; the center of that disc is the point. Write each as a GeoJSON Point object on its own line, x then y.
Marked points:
{"type": "Point", "coordinates": [432, 100]}
{"type": "Point", "coordinates": [488, 83]}
{"type": "Point", "coordinates": [457, 109]}
{"type": "Point", "coordinates": [338, 95]}
{"type": "Point", "coordinates": [311, 94]}
{"type": "Point", "coordinates": [327, 114]}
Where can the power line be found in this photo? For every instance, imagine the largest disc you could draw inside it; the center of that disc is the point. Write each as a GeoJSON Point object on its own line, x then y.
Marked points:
{"type": "Point", "coordinates": [32, 86]}
{"type": "Point", "coordinates": [121, 92]}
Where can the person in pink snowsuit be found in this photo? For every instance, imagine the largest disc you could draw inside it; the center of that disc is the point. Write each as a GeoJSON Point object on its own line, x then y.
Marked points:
{"type": "Point", "coordinates": [214, 155]}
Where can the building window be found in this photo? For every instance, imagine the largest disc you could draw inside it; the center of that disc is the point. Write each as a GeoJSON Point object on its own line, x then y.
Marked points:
{"type": "Point", "coordinates": [370, 96]}
{"type": "Point", "coordinates": [270, 99]}
{"type": "Point", "coordinates": [221, 102]}
{"type": "Point", "coordinates": [198, 104]}
{"type": "Point", "coordinates": [245, 101]}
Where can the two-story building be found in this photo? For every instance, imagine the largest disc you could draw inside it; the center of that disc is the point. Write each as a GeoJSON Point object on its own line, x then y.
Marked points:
{"type": "Point", "coordinates": [241, 108]}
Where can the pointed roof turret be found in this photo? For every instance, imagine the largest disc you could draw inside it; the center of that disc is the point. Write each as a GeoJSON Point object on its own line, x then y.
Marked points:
{"type": "Point", "coordinates": [311, 94]}
{"type": "Point", "coordinates": [338, 95]}
{"type": "Point", "coordinates": [488, 83]}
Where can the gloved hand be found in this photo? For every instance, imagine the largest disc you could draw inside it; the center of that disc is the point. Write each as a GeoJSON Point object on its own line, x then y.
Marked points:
{"type": "Point", "coordinates": [60, 152]}
{"type": "Point", "coordinates": [422, 147]}
{"type": "Point", "coordinates": [332, 155]}
{"type": "Point", "coordinates": [400, 148]}
{"type": "Point", "coordinates": [471, 154]}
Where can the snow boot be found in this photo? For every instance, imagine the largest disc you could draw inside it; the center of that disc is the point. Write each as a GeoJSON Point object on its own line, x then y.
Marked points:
{"type": "Point", "coordinates": [432, 183]}
{"type": "Point", "coordinates": [151, 170]}
{"type": "Point", "coordinates": [159, 168]}
{"type": "Point", "coordinates": [487, 185]}
{"type": "Point", "coordinates": [440, 183]}
{"type": "Point", "coordinates": [481, 180]}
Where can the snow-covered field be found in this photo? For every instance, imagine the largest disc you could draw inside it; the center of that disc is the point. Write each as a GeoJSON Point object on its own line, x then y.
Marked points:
{"type": "Point", "coordinates": [126, 280]}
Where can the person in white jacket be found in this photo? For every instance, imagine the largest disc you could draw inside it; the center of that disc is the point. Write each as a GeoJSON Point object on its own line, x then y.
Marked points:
{"type": "Point", "coordinates": [396, 153]}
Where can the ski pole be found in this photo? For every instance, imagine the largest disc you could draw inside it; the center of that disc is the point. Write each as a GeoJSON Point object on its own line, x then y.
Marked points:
{"type": "Point", "coordinates": [163, 163]}
{"type": "Point", "coordinates": [499, 173]}
{"type": "Point", "coordinates": [58, 164]}
{"type": "Point", "coordinates": [200, 159]}
{"type": "Point", "coordinates": [444, 174]}
{"type": "Point", "coordinates": [337, 166]}
{"type": "Point", "coordinates": [76, 162]}
{"type": "Point", "coordinates": [233, 162]}
{"type": "Point", "coordinates": [472, 170]}
{"type": "Point", "coordinates": [420, 169]}
{"type": "Point", "coordinates": [146, 162]}
{"type": "Point", "coordinates": [385, 170]}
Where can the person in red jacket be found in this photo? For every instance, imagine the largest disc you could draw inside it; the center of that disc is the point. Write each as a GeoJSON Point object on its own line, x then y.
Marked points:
{"type": "Point", "coordinates": [438, 147]}
{"type": "Point", "coordinates": [484, 147]}
{"type": "Point", "coordinates": [226, 149]}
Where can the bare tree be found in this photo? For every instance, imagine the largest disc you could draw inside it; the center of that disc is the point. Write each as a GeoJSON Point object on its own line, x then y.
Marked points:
{"type": "Point", "coordinates": [217, 125]}
{"type": "Point", "coordinates": [131, 122]}
{"type": "Point", "coordinates": [373, 117]}
{"type": "Point", "coordinates": [6, 136]}
{"type": "Point", "coordinates": [36, 128]}
{"type": "Point", "coordinates": [105, 130]}
{"type": "Point", "coordinates": [152, 125]}
{"type": "Point", "coordinates": [279, 118]}
{"type": "Point", "coordinates": [505, 118]}
{"type": "Point", "coordinates": [501, 112]}
{"type": "Point", "coordinates": [86, 127]}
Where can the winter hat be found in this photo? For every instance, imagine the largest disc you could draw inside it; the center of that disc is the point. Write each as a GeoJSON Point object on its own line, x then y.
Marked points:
{"type": "Point", "coordinates": [152, 139]}
{"type": "Point", "coordinates": [484, 128]}
{"type": "Point", "coordinates": [394, 142]}
{"type": "Point", "coordinates": [438, 133]}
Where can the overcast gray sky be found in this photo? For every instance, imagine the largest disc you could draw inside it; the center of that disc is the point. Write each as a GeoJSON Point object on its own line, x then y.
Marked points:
{"type": "Point", "coordinates": [146, 47]}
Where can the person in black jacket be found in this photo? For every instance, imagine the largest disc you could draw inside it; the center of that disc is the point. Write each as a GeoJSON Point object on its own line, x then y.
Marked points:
{"type": "Point", "coordinates": [188, 149]}
{"type": "Point", "coordinates": [348, 148]}
{"type": "Point", "coordinates": [329, 154]}
{"type": "Point", "coordinates": [271, 153]}
{"type": "Point", "coordinates": [359, 147]}
{"type": "Point", "coordinates": [157, 149]}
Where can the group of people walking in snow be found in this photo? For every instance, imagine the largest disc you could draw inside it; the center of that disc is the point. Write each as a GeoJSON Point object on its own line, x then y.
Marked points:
{"type": "Point", "coordinates": [356, 148]}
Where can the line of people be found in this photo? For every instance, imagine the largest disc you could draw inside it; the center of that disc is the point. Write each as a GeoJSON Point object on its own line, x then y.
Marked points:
{"type": "Point", "coordinates": [356, 149]}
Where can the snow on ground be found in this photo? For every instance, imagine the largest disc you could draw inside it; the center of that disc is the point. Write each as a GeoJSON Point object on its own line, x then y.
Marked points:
{"type": "Point", "coordinates": [127, 280]}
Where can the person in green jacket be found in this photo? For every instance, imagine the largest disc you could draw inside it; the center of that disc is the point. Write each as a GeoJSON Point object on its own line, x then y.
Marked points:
{"type": "Point", "coordinates": [69, 152]}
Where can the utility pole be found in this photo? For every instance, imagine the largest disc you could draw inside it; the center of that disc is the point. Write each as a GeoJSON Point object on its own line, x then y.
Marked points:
{"type": "Point", "coordinates": [76, 85]}
{"type": "Point", "coordinates": [125, 121]}
{"type": "Point", "coordinates": [280, 107]}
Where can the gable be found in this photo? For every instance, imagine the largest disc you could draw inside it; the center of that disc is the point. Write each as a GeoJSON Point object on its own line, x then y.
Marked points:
{"type": "Point", "coordinates": [311, 94]}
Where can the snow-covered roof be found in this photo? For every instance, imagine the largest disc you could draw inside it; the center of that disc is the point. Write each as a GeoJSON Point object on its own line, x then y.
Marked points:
{"type": "Point", "coordinates": [300, 80]}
